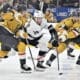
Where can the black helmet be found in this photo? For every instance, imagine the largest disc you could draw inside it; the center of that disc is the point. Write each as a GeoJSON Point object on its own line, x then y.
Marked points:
{"type": "Point", "coordinates": [21, 8]}
{"type": "Point", "coordinates": [6, 8]}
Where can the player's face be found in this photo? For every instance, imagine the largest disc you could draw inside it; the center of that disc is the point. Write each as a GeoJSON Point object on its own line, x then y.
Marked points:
{"type": "Point", "coordinates": [38, 20]}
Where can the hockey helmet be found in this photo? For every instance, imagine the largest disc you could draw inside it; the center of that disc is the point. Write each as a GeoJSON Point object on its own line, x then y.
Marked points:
{"type": "Point", "coordinates": [38, 14]}
{"type": "Point", "coordinates": [76, 25]}
{"type": "Point", "coordinates": [68, 23]}
{"type": "Point", "coordinates": [21, 8]}
{"type": "Point", "coordinates": [7, 16]}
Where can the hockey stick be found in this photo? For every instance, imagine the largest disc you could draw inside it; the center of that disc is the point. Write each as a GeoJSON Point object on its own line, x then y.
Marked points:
{"type": "Point", "coordinates": [31, 55]}
{"type": "Point", "coordinates": [58, 62]}
{"type": "Point", "coordinates": [28, 44]}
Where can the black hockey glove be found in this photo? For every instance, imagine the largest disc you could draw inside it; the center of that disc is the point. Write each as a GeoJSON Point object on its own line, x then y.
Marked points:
{"type": "Point", "coordinates": [55, 43]}
{"type": "Point", "coordinates": [53, 32]}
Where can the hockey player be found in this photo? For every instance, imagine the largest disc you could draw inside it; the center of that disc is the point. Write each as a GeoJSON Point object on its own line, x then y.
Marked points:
{"type": "Point", "coordinates": [65, 31]}
{"type": "Point", "coordinates": [73, 34]}
{"type": "Point", "coordinates": [9, 37]}
{"type": "Point", "coordinates": [62, 29]}
{"type": "Point", "coordinates": [40, 34]}
{"type": "Point", "coordinates": [66, 25]}
{"type": "Point", "coordinates": [76, 39]}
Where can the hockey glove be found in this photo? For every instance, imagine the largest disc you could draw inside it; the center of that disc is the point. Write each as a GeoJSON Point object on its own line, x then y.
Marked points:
{"type": "Point", "coordinates": [55, 43]}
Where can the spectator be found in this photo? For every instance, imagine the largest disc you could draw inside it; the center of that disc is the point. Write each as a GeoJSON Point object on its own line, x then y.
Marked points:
{"type": "Point", "coordinates": [30, 9]}
{"type": "Point", "coordinates": [49, 16]}
{"type": "Point", "coordinates": [15, 2]}
{"type": "Point", "coordinates": [19, 2]}
{"type": "Point", "coordinates": [45, 4]}
{"type": "Point", "coordinates": [34, 4]}
{"type": "Point", "coordinates": [5, 6]}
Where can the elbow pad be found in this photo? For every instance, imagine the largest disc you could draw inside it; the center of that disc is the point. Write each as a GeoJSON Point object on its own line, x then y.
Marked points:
{"type": "Point", "coordinates": [53, 32]}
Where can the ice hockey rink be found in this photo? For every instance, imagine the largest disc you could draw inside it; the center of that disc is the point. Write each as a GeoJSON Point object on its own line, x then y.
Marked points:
{"type": "Point", "coordinates": [10, 70]}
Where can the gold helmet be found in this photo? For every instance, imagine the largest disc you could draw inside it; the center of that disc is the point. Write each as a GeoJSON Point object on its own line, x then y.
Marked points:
{"type": "Point", "coordinates": [68, 23]}
{"type": "Point", "coordinates": [76, 25]}
{"type": "Point", "coordinates": [10, 21]}
{"type": "Point", "coordinates": [7, 16]}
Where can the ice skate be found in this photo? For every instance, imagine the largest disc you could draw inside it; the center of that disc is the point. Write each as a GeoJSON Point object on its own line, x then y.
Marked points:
{"type": "Point", "coordinates": [40, 66]}
{"type": "Point", "coordinates": [26, 69]}
{"type": "Point", "coordinates": [51, 59]}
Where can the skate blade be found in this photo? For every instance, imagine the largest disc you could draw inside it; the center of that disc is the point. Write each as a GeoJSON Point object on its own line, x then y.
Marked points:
{"type": "Point", "coordinates": [47, 66]}
{"type": "Point", "coordinates": [71, 58]}
{"type": "Point", "coordinates": [40, 69]}
{"type": "Point", "coordinates": [23, 71]}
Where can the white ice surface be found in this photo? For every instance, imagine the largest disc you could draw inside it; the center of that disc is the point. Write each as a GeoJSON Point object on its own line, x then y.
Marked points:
{"type": "Point", "coordinates": [10, 70]}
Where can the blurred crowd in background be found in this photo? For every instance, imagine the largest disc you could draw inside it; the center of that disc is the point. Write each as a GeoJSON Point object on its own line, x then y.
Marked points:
{"type": "Point", "coordinates": [43, 5]}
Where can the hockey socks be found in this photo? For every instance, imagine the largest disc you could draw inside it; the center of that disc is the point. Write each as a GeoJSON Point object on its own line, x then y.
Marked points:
{"type": "Point", "coordinates": [41, 60]}
{"type": "Point", "coordinates": [51, 59]}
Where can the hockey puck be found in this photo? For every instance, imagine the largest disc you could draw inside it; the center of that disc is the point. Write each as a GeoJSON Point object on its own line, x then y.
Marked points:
{"type": "Point", "coordinates": [60, 73]}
